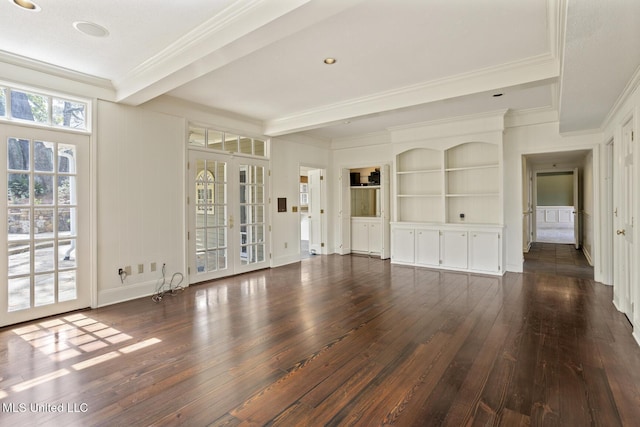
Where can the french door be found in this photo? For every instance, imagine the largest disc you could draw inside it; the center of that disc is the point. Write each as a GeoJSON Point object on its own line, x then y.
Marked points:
{"type": "Point", "coordinates": [228, 229]}
{"type": "Point", "coordinates": [45, 222]}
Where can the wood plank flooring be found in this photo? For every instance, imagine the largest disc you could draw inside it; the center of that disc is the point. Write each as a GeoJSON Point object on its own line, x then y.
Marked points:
{"type": "Point", "coordinates": [333, 340]}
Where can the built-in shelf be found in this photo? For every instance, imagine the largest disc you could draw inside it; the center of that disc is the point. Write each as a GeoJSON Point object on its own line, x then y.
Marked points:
{"type": "Point", "coordinates": [447, 185]}
{"type": "Point", "coordinates": [493, 166]}
{"type": "Point", "coordinates": [449, 204]}
{"type": "Point", "coordinates": [419, 171]}
{"type": "Point", "coordinates": [472, 195]}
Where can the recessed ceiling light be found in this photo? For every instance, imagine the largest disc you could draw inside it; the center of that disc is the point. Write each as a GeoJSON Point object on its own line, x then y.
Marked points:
{"type": "Point", "coordinates": [26, 4]}
{"type": "Point", "coordinates": [91, 29]}
{"type": "Point", "coordinates": [495, 95]}
{"type": "Point", "coordinates": [330, 61]}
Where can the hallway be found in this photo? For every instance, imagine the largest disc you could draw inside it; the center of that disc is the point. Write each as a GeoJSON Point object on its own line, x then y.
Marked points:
{"type": "Point", "coordinates": [558, 260]}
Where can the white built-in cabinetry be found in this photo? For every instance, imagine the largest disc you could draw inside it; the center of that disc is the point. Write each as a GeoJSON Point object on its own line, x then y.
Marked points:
{"type": "Point", "coordinates": [366, 235]}
{"type": "Point", "coordinates": [473, 248]}
{"type": "Point", "coordinates": [369, 210]}
{"type": "Point", "coordinates": [449, 208]}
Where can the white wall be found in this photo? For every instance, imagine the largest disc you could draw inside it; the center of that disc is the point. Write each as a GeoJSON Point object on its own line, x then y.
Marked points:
{"type": "Point", "coordinates": [140, 199]}
{"type": "Point", "coordinates": [287, 155]}
{"type": "Point", "coordinates": [588, 211]}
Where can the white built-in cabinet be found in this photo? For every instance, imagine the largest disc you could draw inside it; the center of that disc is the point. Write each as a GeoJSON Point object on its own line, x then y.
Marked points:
{"type": "Point", "coordinates": [475, 248]}
{"type": "Point", "coordinates": [368, 210]}
{"type": "Point", "coordinates": [366, 236]}
{"type": "Point", "coordinates": [448, 191]}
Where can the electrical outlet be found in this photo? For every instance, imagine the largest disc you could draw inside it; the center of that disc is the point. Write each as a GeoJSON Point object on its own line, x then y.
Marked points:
{"type": "Point", "coordinates": [127, 270]}
{"type": "Point", "coordinates": [286, 245]}
{"type": "Point", "coordinates": [153, 266]}
{"type": "Point", "coordinates": [140, 268]}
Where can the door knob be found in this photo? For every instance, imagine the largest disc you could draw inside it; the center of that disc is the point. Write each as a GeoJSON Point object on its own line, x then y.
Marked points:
{"type": "Point", "coordinates": [618, 232]}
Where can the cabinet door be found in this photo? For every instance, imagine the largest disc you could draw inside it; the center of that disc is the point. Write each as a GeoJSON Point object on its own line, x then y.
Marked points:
{"type": "Point", "coordinates": [484, 251]}
{"type": "Point", "coordinates": [359, 236]}
{"type": "Point", "coordinates": [375, 238]}
{"type": "Point", "coordinates": [428, 247]}
{"type": "Point", "coordinates": [454, 249]}
{"type": "Point", "coordinates": [402, 249]}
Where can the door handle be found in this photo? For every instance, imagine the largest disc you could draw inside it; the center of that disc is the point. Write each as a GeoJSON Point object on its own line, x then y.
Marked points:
{"type": "Point", "coordinates": [619, 232]}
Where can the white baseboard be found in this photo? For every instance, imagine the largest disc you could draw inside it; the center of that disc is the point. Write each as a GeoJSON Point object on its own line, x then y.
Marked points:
{"type": "Point", "coordinates": [513, 268]}
{"type": "Point", "coordinates": [126, 293]}
{"type": "Point", "coordinates": [587, 255]}
{"type": "Point", "coordinates": [284, 260]}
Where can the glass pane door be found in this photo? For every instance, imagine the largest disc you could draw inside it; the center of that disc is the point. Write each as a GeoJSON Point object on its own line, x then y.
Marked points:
{"type": "Point", "coordinates": [42, 226]}
{"type": "Point", "coordinates": [227, 211]}
{"type": "Point", "coordinates": [252, 190]}
{"type": "Point", "coordinates": [209, 216]}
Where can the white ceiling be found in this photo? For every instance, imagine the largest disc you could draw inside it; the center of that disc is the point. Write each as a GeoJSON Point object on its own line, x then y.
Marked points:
{"type": "Point", "coordinates": [398, 61]}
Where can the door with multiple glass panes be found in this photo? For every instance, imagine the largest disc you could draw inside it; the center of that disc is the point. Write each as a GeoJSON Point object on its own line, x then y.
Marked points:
{"type": "Point", "coordinates": [227, 204]}
{"type": "Point", "coordinates": [46, 223]}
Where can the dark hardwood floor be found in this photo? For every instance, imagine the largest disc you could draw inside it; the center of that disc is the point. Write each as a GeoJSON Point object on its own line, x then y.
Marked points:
{"type": "Point", "coordinates": [557, 259]}
{"type": "Point", "coordinates": [333, 340]}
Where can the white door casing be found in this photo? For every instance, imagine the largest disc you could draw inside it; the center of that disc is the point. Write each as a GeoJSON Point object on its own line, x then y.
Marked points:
{"type": "Point", "coordinates": [316, 211]}
{"type": "Point", "coordinates": [345, 212]}
{"type": "Point", "coordinates": [47, 223]}
{"type": "Point", "coordinates": [576, 208]}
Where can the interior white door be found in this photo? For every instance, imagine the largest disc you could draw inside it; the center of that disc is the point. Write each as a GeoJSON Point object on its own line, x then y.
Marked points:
{"type": "Point", "coordinates": [227, 215]}
{"type": "Point", "coordinates": [46, 222]}
{"type": "Point", "coordinates": [316, 211]}
{"type": "Point", "coordinates": [576, 208]}
{"type": "Point", "coordinates": [624, 269]}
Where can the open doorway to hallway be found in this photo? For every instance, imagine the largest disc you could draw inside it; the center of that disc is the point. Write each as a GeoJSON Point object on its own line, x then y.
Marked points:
{"type": "Point", "coordinates": [557, 195]}
{"type": "Point", "coordinates": [558, 200]}
{"type": "Point", "coordinates": [312, 221]}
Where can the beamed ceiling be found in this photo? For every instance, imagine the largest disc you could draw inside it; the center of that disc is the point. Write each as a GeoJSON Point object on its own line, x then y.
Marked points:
{"type": "Point", "coordinates": [397, 61]}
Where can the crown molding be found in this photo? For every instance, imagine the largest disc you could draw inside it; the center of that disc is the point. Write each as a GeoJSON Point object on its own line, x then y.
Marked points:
{"type": "Point", "coordinates": [531, 116]}
{"type": "Point", "coordinates": [539, 68]}
{"type": "Point", "coordinates": [363, 140]}
{"type": "Point", "coordinates": [632, 85]}
{"type": "Point", "coordinates": [31, 72]}
{"type": "Point", "coordinates": [190, 56]}
{"type": "Point", "coordinates": [312, 141]}
{"type": "Point", "coordinates": [488, 124]}
{"type": "Point", "coordinates": [243, 28]}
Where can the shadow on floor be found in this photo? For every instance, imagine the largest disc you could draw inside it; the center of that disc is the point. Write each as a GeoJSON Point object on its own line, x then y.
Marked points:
{"type": "Point", "coordinates": [557, 259]}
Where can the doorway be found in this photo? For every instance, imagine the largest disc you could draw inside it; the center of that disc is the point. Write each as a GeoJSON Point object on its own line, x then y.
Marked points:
{"type": "Point", "coordinates": [312, 211]}
{"type": "Point", "coordinates": [582, 209]}
{"type": "Point", "coordinates": [228, 217]}
{"type": "Point", "coordinates": [557, 207]}
{"type": "Point", "coordinates": [47, 223]}
{"type": "Point", "coordinates": [625, 284]}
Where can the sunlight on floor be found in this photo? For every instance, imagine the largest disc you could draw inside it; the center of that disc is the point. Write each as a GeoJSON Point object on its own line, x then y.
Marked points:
{"type": "Point", "coordinates": [72, 336]}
